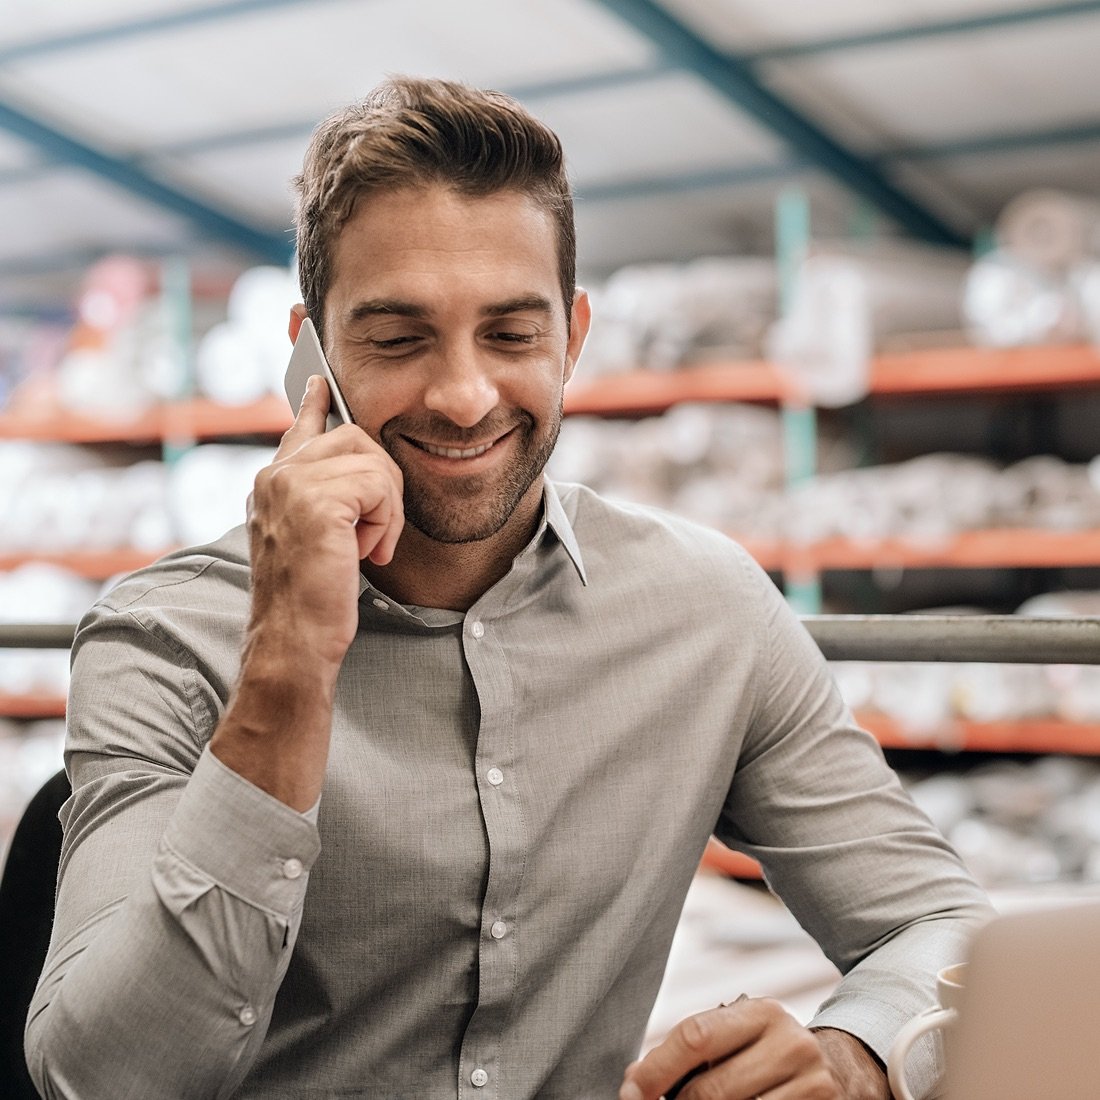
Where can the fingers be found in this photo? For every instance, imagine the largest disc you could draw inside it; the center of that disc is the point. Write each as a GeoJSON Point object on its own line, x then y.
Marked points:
{"type": "Point", "coordinates": [358, 490]}
{"type": "Point", "coordinates": [380, 520]}
{"type": "Point", "coordinates": [310, 421]}
{"type": "Point", "coordinates": [740, 1051]}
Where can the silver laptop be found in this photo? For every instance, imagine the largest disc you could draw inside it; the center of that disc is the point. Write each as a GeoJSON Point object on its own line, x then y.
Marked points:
{"type": "Point", "coordinates": [1029, 1017]}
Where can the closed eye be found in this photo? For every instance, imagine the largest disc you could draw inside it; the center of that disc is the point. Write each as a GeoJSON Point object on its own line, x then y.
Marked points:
{"type": "Point", "coordinates": [515, 337]}
{"type": "Point", "coordinates": [395, 342]}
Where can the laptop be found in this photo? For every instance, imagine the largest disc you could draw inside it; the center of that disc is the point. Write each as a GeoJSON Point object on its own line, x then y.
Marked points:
{"type": "Point", "coordinates": [1029, 1017]}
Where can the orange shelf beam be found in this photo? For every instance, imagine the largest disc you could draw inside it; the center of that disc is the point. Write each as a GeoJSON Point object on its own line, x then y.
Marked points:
{"type": "Point", "coordinates": [186, 420]}
{"type": "Point", "coordinates": [985, 370]}
{"type": "Point", "coordinates": [1002, 548]}
{"type": "Point", "coordinates": [717, 857]}
{"type": "Point", "coordinates": [927, 371]}
{"type": "Point", "coordinates": [31, 706]}
{"type": "Point", "coordinates": [1027, 735]}
{"type": "Point", "coordinates": [1007, 548]}
{"type": "Point", "coordinates": [649, 391]}
{"type": "Point", "coordinates": [93, 564]}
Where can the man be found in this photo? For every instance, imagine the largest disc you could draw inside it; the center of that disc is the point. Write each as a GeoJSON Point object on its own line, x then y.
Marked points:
{"type": "Point", "coordinates": [399, 793]}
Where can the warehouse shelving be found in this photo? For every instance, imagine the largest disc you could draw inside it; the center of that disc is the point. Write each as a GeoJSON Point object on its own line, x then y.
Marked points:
{"type": "Point", "coordinates": [1022, 735]}
{"type": "Point", "coordinates": [923, 372]}
{"type": "Point", "coordinates": [1004, 548]}
{"type": "Point", "coordinates": [927, 371]}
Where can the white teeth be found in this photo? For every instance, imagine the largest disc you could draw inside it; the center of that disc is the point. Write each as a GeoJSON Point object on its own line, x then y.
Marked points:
{"type": "Point", "coordinates": [456, 452]}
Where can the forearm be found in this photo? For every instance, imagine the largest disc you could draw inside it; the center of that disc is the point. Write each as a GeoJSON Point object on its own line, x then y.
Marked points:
{"type": "Point", "coordinates": [275, 731]}
{"type": "Point", "coordinates": [169, 992]}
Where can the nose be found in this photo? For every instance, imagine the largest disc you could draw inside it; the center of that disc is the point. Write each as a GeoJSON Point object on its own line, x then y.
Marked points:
{"type": "Point", "coordinates": [461, 388]}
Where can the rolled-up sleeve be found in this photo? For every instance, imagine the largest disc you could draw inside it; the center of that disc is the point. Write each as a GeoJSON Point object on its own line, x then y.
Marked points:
{"type": "Point", "coordinates": [180, 893]}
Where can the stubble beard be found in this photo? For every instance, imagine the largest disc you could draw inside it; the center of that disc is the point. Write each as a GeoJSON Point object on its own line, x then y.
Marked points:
{"type": "Point", "coordinates": [473, 508]}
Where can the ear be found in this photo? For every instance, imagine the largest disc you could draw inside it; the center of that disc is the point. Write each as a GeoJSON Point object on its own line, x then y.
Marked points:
{"type": "Point", "coordinates": [580, 319]}
{"type": "Point", "coordinates": [297, 316]}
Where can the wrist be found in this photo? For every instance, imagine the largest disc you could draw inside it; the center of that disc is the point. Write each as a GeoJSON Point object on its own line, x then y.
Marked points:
{"type": "Point", "coordinates": [858, 1072]}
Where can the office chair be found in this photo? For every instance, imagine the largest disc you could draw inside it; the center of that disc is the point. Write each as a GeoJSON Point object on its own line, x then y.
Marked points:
{"type": "Point", "coordinates": [27, 894]}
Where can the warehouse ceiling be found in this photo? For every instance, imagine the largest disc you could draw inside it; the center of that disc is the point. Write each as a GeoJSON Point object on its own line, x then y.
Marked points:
{"type": "Point", "coordinates": [165, 128]}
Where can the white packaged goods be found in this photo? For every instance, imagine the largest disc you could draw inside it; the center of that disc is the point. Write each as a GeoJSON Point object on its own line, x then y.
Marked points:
{"type": "Point", "coordinates": [1052, 231]}
{"type": "Point", "coordinates": [660, 316]}
{"type": "Point", "coordinates": [244, 357]}
{"type": "Point", "coordinates": [59, 497]}
{"type": "Point", "coordinates": [1020, 822]}
{"type": "Point", "coordinates": [723, 465]}
{"type": "Point", "coordinates": [209, 486]}
{"type": "Point", "coordinates": [1085, 282]}
{"type": "Point", "coordinates": [40, 593]}
{"type": "Point", "coordinates": [1010, 303]}
{"type": "Point", "coordinates": [30, 752]}
{"type": "Point", "coordinates": [846, 304]}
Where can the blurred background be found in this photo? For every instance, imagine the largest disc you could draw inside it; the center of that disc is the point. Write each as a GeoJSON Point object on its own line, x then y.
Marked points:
{"type": "Point", "coordinates": [845, 261]}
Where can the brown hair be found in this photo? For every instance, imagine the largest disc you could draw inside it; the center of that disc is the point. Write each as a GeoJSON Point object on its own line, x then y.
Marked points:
{"type": "Point", "coordinates": [411, 132]}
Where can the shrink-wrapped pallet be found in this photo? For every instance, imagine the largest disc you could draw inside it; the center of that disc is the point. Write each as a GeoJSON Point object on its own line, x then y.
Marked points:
{"type": "Point", "coordinates": [845, 305]}
{"type": "Point", "coordinates": [660, 316]}
{"type": "Point", "coordinates": [1008, 302]}
{"type": "Point", "coordinates": [1051, 231]}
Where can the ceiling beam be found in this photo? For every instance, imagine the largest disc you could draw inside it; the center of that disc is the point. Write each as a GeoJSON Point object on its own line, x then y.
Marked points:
{"type": "Point", "coordinates": [738, 175]}
{"type": "Point", "coordinates": [62, 148]}
{"type": "Point", "coordinates": [735, 79]}
{"type": "Point", "coordinates": [910, 32]}
{"type": "Point", "coordinates": [131, 28]}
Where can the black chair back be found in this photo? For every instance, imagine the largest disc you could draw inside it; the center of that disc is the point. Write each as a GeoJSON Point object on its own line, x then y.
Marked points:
{"type": "Point", "coordinates": [27, 894]}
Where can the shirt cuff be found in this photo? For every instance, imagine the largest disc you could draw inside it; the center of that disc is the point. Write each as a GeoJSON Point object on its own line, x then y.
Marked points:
{"type": "Point", "coordinates": [245, 840]}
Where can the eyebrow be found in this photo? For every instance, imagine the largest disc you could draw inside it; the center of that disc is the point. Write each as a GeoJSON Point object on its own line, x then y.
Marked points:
{"type": "Point", "coordinates": [375, 307]}
{"type": "Point", "coordinates": [396, 307]}
{"type": "Point", "coordinates": [526, 303]}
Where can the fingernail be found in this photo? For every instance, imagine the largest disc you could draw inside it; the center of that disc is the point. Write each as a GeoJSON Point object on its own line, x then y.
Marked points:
{"type": "Point", "coordinates": [630, 1091]}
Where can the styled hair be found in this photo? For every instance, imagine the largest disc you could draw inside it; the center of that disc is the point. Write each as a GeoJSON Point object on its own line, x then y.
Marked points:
{"type": "Point", "coordinates": [411, 132]}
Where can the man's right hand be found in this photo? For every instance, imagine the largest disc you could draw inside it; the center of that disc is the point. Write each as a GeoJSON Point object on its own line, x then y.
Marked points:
{"type": "Point", "coordinates": [326, 502]}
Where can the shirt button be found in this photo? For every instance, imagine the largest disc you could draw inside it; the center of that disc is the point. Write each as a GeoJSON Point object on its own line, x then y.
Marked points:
{"type": "Point", "coordinates": [479, 1078]}
{"type": "Point", "coordinates": [292, 868]}
{"type": "Point", "coordinates": [381, 605]}
{"type": "Point", "coordinates": [477, 629]}
{"type": "Point", "coordinates": [499, 930]}
{"type": "Point", "coordinates": [247, 1015]}
{"type": "Point", "coordinates": [495, 776]}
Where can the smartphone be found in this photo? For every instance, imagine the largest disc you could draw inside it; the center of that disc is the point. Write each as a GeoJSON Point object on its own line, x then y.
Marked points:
{"type": "Point", "coordinates": [307, 358]}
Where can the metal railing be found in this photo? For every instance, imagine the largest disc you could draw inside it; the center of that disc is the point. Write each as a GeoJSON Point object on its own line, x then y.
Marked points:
{"type": "Point", "coordinates": [997, 639]}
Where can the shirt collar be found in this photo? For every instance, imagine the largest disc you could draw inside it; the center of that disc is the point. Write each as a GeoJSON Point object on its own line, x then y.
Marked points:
{"type": "Point", "coordinates": [554, 518]}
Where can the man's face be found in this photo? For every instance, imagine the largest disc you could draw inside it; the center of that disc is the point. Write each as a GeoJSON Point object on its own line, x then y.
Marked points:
{"type": "Point", "coordinates": [447, 333]}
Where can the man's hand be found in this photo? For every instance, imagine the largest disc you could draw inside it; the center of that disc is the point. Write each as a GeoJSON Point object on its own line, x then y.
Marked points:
{"type": "Point", "coordinates": [749, 1049]}
{"type": "Point", "coordinates": [327, 501]}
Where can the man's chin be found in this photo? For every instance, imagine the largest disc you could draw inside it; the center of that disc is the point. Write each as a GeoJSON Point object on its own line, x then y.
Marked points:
{"type": "Point", "coordinates": [457, 533]}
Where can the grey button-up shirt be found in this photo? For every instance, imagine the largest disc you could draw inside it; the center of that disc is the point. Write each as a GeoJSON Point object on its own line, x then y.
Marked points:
{"type": "Point", "coordinates": [482, 902]}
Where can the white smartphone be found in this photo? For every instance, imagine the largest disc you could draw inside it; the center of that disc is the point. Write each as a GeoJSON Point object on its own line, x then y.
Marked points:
{"type": "Point", "coordinates": [307, 358]}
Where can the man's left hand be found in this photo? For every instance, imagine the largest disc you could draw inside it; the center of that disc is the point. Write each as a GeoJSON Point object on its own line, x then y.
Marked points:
{"type": "Point", "coordinates": [755, 1048]}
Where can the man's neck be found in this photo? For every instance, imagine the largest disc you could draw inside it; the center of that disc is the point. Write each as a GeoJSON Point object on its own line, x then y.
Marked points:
{"type": "Point", "coordinates": [454, 576]}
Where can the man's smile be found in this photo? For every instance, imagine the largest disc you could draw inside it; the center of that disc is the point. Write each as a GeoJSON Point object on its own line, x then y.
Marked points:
{"type": "Point", "coordinates": [453, 451]}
